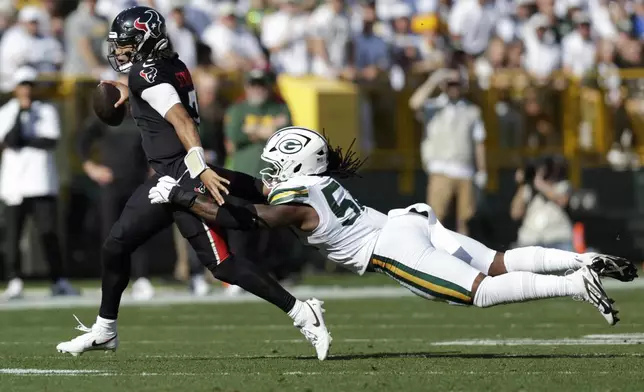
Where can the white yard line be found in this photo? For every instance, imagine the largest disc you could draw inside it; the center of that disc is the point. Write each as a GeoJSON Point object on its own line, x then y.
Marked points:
{"type": "Point", "coordinates": [39, 299]}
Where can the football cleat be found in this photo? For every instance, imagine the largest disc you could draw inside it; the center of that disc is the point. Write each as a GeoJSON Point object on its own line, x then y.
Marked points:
{"type": "Point", "coordinates": [14, 289]}
{"type": "Point", "coordinates": [94, 338]}
{"type": "Point", "coordinates": [612, 267]}
{"type": "Point", "coordinates": [595, 294]}
{"type": "Point", "coordinates": [314, 329]}
{"type": "Point", "coordinates": [142, 290]}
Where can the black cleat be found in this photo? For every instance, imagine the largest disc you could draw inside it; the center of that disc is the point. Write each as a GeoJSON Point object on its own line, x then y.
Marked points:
{"type": "Point", "coordinates": [614, 267]}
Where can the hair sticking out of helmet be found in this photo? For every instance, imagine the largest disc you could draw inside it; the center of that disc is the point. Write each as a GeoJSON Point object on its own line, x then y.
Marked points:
{"type": "Point", "coordinates": [343, 164]}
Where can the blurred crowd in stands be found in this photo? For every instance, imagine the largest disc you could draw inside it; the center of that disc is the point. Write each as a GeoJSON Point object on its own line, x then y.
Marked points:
{"type": "Point", "coordinates": [524, 49]}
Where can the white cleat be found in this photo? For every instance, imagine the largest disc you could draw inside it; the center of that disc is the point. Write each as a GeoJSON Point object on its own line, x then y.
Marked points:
{"type": "Point", "coordinates": [232, 290]}
{"type": "Point", "coordinates": [595, 294]}
{"type": "Point", "coordinates": [14, 289]}
{"type": "Point", "coordinates": [95, 338]}
{"type": "Point", "coordinates": [142, 290]}
{"type": "Point", "coordinates": [199, 286]}
{"type": "Point", "coordinates": [314, 330]}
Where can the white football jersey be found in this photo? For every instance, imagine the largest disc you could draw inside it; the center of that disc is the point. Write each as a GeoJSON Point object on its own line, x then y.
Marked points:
{"type": "Point", "coordinates": [347, 231]}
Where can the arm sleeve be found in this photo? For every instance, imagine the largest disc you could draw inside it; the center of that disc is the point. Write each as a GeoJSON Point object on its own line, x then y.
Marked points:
{"type": "Point", "coordinates": [243, 186]}
{"type": "Point", "coordinates": [161, 97]}
{"type": "Point", "coordinates": [286, 194]}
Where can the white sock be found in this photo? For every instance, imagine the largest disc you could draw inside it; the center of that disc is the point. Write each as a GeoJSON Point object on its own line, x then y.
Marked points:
{"type": "Point", "coordinates": [524, 286]}
{"type": "Point", "coordinates": [298, 313]}
{"type": "Point", "coordinates": [107, 324]}
{"type": "Point", "coordinates": [539, 260]}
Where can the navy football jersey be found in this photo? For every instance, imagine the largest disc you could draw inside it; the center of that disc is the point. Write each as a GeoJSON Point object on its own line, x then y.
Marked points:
{"type": "Point", "coordinates": [160, 141]}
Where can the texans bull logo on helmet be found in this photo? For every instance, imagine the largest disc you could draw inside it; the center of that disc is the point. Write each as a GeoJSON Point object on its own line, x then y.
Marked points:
{"type": "Point", "coordinates": [151, 26]}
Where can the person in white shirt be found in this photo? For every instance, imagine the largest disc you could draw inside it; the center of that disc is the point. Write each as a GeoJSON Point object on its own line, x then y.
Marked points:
{"type": "Point", "coordinates": [25, 44]}
{"type": "Point", "coordinates": [511, 27]}
{"type": "Point", "coordinates": [182, 37]}
{"type": "Point", "coordinates": [579, 49]}
{"type": "Point", "coordinates": [453, 149]}
{"type": "Point", "coordinates": [330, 40]}
{"type": "Point", "coordinates": [471, 25]}
{"type": "Point", "coordinates": [233, 46]}
{"type": "Point", "coordinates": [542, 57]}
{"type": "Point", "coordinates": [29, 180]}
{"type": "Point", "coordinates": [284, 34]}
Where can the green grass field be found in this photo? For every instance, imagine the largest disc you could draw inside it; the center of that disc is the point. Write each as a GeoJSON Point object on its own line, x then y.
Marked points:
{"type": "Point", "coordinates": [392, 344]}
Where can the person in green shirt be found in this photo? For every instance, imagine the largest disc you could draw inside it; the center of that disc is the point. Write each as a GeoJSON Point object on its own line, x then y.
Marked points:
{"type": "Point", "coordinates": [249, 123]}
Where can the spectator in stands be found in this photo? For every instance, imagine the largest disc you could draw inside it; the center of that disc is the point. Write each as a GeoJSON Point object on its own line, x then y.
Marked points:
{"type": "Point", "coordinates": [330, 39]}
{"type": "Point", "coordinates": [372, 56]}
{"type": "Point", "coordinates": [432, 44]}
{"type": "Point", "coordinates": [637, 19]}
{"type": "Point", "coordinates": [486, 66]}
{"type": "Point", "coordinates": [233, 46]}
{"type": "Point", "coordinates": [29, 180]}
{"type": "Point", "coordinates": [182, 37]}
{"type": "Point", "coordinates": [542, 57]}
{"type": "Point", "coordinates": [541, 205]}
{"type": "Point", "coordinates": [511, 27]}
{"type": "Point", "coordinates": [27, 44]}
{"type": "Point", "coordinates": [405, 44]}
{"type": "Point", "coordinates": [453, 150]}
{"type": "Point", "coordinates": [366, 12]}
{"type": "Point", "coordinates": [284, 34]}
{"type": "Point", "coordinates": [578, 47]}
{"type": "Point", "coordinates": [471, 25]}
{"type": "Point", "coordinates": [85, 33]}
{"type": "Point", "coordinates": [250, 123]}
{"type": "Point", "coordinates": [212, 108]}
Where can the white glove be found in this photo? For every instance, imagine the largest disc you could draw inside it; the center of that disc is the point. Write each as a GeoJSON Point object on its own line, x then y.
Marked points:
{"type": "Point", "coordinates": [160, 193]}
{"type": "Point", "coordinates": [480, 179]}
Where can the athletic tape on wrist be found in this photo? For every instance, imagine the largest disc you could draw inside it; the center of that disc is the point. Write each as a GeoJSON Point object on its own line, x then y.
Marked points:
{"type": "Point", "coordinates": [195, 161]}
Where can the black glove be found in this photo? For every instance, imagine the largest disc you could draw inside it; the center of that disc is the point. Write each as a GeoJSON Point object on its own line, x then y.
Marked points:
{"type": "Point", "coordinates": [14, 138]}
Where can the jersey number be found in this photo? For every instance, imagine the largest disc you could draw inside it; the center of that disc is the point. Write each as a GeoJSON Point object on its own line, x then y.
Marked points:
{"type": "Point", "coordinates": [192, 96]}
{"type": "Point", "coordinates": [346, 210]}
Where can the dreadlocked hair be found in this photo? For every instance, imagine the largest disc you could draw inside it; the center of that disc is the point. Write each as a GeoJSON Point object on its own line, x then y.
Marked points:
{"type": "Point", "coordinates": [343, 164]}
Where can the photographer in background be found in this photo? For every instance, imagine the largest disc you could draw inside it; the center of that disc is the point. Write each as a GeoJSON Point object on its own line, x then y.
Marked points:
{"type": "Point", "coordinates": [541, 202]}
{"type": "Point", "coordinates": [29, 181]}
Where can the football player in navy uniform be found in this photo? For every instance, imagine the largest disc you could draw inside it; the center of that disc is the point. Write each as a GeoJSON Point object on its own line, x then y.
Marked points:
{"type": "Point", "coordinates": [164, 105]}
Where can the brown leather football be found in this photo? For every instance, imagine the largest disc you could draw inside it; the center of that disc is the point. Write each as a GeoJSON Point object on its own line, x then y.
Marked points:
{"type": "Point", "coordinates": [104, 98]}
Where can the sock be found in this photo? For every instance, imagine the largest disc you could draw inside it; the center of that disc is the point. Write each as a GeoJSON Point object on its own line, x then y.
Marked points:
{"type": "Point", "coordinates": [107, 324]}
{"type": "Point", "coordinates": [114, 279]}
{"type": "Point", "coordinates": [249, 276]}
{"type": "Point", "coordinates": [522, 287]}
{"type": "Point", "coordinates": [539, 260]}
{"type": "Point", "coordinates": [298, 313]}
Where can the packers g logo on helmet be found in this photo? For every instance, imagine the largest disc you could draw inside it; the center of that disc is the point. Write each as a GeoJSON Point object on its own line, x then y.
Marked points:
{"type": "Point", "coordinates": [290, 146]}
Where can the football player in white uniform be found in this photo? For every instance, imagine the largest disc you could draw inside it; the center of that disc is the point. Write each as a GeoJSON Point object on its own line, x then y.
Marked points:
{"type": "Point", "coordinates": [410, 245]}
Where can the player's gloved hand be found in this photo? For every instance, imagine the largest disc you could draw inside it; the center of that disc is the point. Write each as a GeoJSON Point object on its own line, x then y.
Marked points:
{"type": "Point", "coordinates": [480, 179]}
{"type": "Point", "coordinates": [160, 193]}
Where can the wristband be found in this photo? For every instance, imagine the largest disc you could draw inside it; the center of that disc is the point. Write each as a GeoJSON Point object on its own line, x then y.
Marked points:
{"type": "Point", "coordinates": [183, 198]}
{"type": "Point", "coordinates": [195, 161]}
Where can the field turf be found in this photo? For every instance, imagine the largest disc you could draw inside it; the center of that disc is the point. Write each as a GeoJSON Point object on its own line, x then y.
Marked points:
{"type": "Point", "coordinates": [380, 344]}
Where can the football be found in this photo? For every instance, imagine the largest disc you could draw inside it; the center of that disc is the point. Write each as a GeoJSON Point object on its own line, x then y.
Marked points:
{"type": "Point", "coordinates": [104, 98]}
